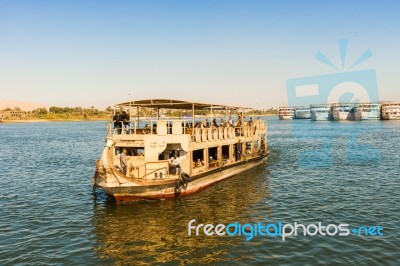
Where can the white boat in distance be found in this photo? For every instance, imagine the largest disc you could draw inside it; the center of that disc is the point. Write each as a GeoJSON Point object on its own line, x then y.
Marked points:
{"type": "Point", "coordinates": [367, 111]}
{"type": "Point", "coordinates": [170, 158]}
{"type": "Point", "coordinates": [320, 112]}
{"type": "Point", "coordinates": [343, 111]}
{"type": "Point", "coordinates": [302, 112]}
{"type": "Point", "coordinates": [390, 111]}
{"type": "Point", "coordinates": [285, 113]}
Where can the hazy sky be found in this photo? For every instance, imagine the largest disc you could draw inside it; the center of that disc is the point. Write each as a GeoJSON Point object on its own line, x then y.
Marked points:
{"type": "Point", "coordinates": [84, 53]}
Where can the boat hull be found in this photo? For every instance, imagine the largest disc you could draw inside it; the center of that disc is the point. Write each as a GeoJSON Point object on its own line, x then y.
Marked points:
{"type": "Point", "coordinates": [302, 115]}
{"type": "Point", "coordinates": [320, 116]}
{"type": "Point", "coordinates": [285, 117]}
{"type": "Point", "coordinates": [176, 188]}
{"type": "Point", "coordinates": [391, 116]}
{"type": "Point", "coordinates": [373, 115]}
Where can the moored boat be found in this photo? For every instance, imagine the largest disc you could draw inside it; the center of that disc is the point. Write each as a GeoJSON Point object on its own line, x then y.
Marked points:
{"type": "Point", "coordinates": [390, 111]}
{"type": "Point", "coordinates": [205, 154]}
{"type": "Point", "coordinates": [343, 111]}
{"type": "Point", "coordinates": [285, 113]}
{"type": "Point", "coordinates": [367, 111]}
{"type": "Point", "coordinates": [320, 112]}
{"type": "Point", "coordinates": [302, 112]}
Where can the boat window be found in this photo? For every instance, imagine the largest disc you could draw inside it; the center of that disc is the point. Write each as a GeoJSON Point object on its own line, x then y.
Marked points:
{"type": "Point", "coordinates": [248, 147]}
{"type": "Point", "coordinates": [130, 151]}
{"type": "Point", "coordinates": [198, 158]}
{"type": "Point", "coordinates": [256, 145]}
{"type": "Point", "coordinates": [212, 157]}
{"type": "Point", "coordinates": [225, 152]}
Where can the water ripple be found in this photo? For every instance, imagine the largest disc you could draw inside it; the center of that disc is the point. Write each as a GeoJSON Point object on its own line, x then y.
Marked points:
{"type": "Point", "coordinates": [48, 216]}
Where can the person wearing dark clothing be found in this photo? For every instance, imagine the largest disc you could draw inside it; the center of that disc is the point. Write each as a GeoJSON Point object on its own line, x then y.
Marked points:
{"type": "Point", "coordinates": [126, 120]}
{"type": "Point", "coordinates": [238, 151]}
{"type": "Point", "coordinates": [117, 122]}
{"type": "Point", "coordinates": [214, 123]}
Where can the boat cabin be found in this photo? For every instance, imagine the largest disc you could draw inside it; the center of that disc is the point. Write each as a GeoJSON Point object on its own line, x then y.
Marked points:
{"type": "Point", "coordinates": [200, 144]}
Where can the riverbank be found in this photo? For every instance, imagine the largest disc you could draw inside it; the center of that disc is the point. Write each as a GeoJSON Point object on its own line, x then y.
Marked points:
{"type": "Point", "coordinates": [52, 120]}
{"type": "Point", "coordinates": [38, 120]}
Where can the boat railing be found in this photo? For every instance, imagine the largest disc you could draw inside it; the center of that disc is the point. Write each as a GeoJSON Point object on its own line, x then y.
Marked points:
{"type": "Point", "coordinates": [181, 127]}
{"type": "Point", "coordinates": [156, 170]}
{"type": "Point", "coordinates": [152, 170]}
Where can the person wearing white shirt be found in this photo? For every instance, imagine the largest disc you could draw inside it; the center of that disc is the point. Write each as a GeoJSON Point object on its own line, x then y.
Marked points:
{"type": "Point", "coordinates": [174, 164]}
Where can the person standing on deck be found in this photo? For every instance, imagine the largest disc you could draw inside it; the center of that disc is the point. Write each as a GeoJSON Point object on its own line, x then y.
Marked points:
{"type": "Point", "coordinates": [122, 161]}
{"type": "Point", "coordinates": [126, 120]}
{"type": "Point", "coordinates": [117, 122]}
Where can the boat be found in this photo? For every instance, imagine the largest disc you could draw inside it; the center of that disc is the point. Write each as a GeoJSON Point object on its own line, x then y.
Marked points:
{"type": "Point", "coordinates": [206, 154]}
{"type": "Point", "coordinates": [320, 112]}
{"type": "Point", "coordinates": [390, 111]}
{"type": "Point", "coordinates": [285, 113]}
{"type": "Point", "coordinates": [302, 112]}
{"type": "Point", "coordinates": [343, 111]}
{"type": "Point", "coordinates": [367, 111]}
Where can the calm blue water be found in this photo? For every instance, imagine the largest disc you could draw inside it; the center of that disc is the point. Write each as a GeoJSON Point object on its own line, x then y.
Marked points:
{"type": "Point", "coordinates": [325, 172]}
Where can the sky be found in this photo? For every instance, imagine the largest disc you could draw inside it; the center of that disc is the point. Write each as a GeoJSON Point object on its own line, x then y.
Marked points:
{"type": "Point", "coordinates": [99, 53]}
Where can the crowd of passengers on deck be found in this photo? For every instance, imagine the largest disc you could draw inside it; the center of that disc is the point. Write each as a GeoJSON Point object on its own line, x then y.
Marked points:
{"type": "Point", "coordinates": [123, 121]}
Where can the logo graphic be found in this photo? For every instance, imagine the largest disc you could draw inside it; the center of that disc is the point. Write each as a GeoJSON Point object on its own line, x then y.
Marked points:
{"type": "Point", "coordinates": [347, 86]}
{"type": "Point", "coordinates": [280, 229]}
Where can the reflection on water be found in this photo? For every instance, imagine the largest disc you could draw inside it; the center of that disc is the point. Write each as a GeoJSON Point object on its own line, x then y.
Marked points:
{"type": "Point", "coordinates": [156, 231]}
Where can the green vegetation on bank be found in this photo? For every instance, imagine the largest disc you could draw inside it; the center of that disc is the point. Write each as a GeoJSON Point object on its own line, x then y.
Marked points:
{"type": "Point", "coordinates": [58, 113]}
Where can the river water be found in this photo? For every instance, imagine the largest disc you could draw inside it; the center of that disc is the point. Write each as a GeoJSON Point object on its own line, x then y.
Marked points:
{"type": "Point", "coordinates": [328, 172]}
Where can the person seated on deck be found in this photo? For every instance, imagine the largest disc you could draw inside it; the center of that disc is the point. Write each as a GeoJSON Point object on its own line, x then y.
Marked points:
{"type": "Point", "coordinates": [206, 124]}
{"type": "Point", "coordinates": [239, 123]}
{"type": "Point", "coordinates": [230, 122]}
{"type": "Point", "coordinates": [198, 163]}
{"type": "Point", "coordinates": [214, 123]}
{"type": "Point", "coordinates": [146, 129]}
{"type": "Point", "coordinates": [174, 164]}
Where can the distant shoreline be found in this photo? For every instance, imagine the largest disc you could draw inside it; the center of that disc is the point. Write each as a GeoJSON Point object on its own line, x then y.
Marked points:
{"type": "Point", "coordinates": [50, 120]}
{"type": "Point", "coordinates": [37, 120]}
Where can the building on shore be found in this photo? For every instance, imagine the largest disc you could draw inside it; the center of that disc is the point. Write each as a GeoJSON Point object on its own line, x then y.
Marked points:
{"type": "Point", "coordinates": [13, 114]}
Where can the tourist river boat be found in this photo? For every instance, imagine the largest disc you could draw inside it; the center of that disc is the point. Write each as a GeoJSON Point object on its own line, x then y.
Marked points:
{"type": "Point", "coordinates": [320, 112]}
{"type": "Point", "coordinates": [343, 111]}
{"type": "Point", "coordinates": [391, 111]}
{"type": "Point", "coordinates": [302, 112]}
{"type": "Point", "coordinates": [207, 154]}
{"type": "Point", "coordinates": [367, 111]}
{"type": "Point", "coordinates": [285, 113]}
